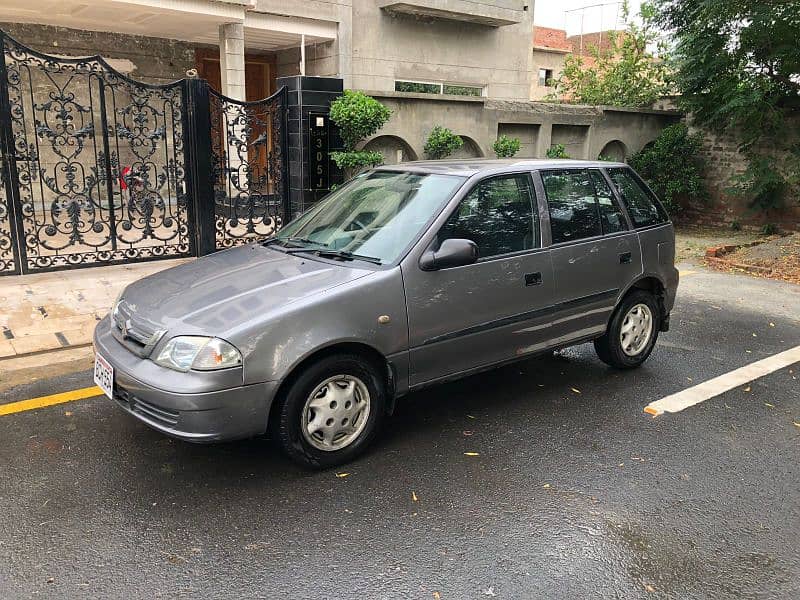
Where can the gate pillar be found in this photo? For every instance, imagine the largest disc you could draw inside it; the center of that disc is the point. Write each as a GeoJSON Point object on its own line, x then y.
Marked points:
{"type": "Point", "coordinates": [312, 137]}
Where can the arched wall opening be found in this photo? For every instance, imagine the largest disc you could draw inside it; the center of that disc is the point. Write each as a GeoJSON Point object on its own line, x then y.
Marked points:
{"type": "Point", "coordinates": [615, 151]}
{"type": "Point", "coordinates": [470, 149]}
{"type": "Point", "coordinates": [393, 148]}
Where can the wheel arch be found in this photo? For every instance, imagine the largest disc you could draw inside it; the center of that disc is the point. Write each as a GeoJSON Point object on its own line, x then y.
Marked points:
{"type": "Point", "coordinates": [361, 349]}
{"type": "Point", "coordinates": [651, 282]}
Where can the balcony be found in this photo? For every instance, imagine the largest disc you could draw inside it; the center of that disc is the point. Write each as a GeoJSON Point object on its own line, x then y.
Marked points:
{"type": "Point", "coordinates": [491, 14]}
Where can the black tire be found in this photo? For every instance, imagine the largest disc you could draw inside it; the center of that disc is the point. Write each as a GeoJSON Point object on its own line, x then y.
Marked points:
{"type": "Point", "coordinates": [609, 347]}
{"type": "Point", "coordinates": [289, 415]}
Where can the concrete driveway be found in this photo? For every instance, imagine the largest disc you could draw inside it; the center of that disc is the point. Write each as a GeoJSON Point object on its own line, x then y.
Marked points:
{"type": "Point", "coordinates": [544, 479]}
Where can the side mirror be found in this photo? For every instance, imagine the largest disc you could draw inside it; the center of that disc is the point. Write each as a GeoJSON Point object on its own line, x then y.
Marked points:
{"type": "Point", "coordinates": [452, 253]}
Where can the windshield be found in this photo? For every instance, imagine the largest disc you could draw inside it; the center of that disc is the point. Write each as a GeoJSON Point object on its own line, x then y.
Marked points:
{"type": "Point", "coordinates": [377, 215]}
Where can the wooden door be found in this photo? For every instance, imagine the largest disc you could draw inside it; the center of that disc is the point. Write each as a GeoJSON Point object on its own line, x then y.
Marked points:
{"type": "Point", "coordinates": [259, 73]}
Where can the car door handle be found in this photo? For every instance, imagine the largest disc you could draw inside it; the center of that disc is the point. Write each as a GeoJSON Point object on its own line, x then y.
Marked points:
{"type": "Point", "coordinates": [625, 258]}
{"type": "Point", "coordinates": [533, 278]}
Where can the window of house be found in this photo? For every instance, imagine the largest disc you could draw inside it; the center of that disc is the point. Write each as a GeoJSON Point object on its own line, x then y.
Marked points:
{"type": "Point", "coordinates": [573, 205]}
{"type": "Point", "coordinates": [545, 77]}
{"type": "Point", "coordinates": [497, 215]}
{"type": "Point", "coordinates": [462, 90]}
{"type": "Point", "coordinates": [427, 87]}
{"type": "Point", "coordinates": [642, 207]}
{"type": "Point", "coordinates": [418, 87]}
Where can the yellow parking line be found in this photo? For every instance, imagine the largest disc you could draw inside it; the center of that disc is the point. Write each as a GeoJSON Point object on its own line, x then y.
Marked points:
{"type": "Point", "coordinates": [687, 272]}
{"type": "Point", "coordinates": [41, 402]}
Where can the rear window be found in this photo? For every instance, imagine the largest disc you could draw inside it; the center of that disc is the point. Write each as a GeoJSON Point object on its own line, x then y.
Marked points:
{"type": "Point", "coordinates": [573, 206]}
{"type": "Point", "coordinates": [642, 207]}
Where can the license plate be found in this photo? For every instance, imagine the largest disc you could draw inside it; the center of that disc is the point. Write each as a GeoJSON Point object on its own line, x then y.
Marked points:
{"type": "Point", "coordinates": [104, 375]}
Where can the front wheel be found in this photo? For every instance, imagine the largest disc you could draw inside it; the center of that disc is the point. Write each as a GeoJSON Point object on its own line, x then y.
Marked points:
{"type": "Point", "coordinates": [332, 411]}
{"type": "Point", "coordinates": [632, 332]}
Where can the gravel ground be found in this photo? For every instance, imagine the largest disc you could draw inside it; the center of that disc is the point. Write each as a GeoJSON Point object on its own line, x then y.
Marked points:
{"type": "Point", "coordinates": [691, 241]}
{"type": "Point", "coordinates": [782, 255]}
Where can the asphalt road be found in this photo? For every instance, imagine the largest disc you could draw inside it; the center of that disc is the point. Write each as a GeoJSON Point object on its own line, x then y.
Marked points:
{"type": "Point", "coordinates": [575, 492]}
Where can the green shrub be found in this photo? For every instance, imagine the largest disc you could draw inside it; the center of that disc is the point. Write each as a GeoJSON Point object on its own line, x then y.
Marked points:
{"type": "Point", "coordinates": [769, 229]}
{"type": "Point", "coordinates": [557, 151]}
{"type": "Point", "coordinates": [506, 147]}
{"type": "Point", "coordinates": [358, 116]}
{"type": "Point", "coordinates": [356, 160]}
{"type": "Point", "coordinates": [672, 166]}
{"type": "Point", "coordinates": [761, 184]}
{"type": "Point", "coordinates": [442, 143]}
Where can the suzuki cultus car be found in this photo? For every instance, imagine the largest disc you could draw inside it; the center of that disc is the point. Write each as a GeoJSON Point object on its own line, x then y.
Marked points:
{"type": "Point", "coordinates": [406, 276]}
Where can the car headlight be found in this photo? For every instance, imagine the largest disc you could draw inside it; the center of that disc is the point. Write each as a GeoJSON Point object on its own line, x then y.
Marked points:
{"type": "Point", "coordinates": [115, 306]}
{"type": "Point", "coordinates": [198, 352]}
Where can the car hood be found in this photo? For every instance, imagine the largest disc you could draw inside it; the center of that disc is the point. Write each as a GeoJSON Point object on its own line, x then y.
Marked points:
{"type": "Point", "coordinates": [221, 292]}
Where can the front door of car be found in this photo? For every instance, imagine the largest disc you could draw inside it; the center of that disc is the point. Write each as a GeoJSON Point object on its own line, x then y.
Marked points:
{"type": "Point", "coordinates": [466, 317]}
{"type": "Point", "coordinates": [595, 253]}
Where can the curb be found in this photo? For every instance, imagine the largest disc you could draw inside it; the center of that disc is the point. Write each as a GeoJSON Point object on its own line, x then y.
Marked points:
{"type": "Point", "coordinates": [17, 370]}
{"type": "Point", "coordinates": [715, 255]}
{"type": "Point", "coordinates": [6, 359]}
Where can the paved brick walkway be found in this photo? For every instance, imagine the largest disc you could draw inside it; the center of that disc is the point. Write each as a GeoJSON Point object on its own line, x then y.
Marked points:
{"type": "Point", "coordinates": [51, 311]}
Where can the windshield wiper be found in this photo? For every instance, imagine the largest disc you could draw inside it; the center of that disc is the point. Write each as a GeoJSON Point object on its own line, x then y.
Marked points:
{"type": "Point", "coordinates": [302, 240]}
{"type": "Point", "coordinates": [296, 245]}
{"type": "Point", "coordinates": [344, 254]}
{"type": "Point", "coordinates": [321, 250]}
{"type": "Point", "coordinates": [296, 241]}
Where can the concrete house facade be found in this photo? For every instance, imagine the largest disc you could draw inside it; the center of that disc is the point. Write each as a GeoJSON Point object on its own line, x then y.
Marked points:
{"type": "Point", "coordinates": [469, 65]}
{"type": "Point", "coordinates": [550, 47]}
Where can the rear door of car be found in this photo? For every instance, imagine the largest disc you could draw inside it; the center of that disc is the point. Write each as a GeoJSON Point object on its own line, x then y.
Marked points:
{"type": "Point", "coordinates": [596, 254]}
{"type": "Point", "coordinates": [651, 222]}
{"type": "Point", "coordinates": [468, 317]}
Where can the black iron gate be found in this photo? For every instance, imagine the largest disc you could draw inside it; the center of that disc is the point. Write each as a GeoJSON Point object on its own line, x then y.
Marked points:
{"type": "Point", "coordinates": [100, 169]}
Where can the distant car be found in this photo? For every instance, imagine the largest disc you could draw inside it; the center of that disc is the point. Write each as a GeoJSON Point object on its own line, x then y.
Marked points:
{"type": "Point", "coordinates": [406, 276]}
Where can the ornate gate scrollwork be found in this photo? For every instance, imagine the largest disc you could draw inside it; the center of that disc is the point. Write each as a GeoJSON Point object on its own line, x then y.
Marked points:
{"type": "Point", "coordinates": [100, 169]}
{"type": "Point", "coordinates": [80, 132]}
{"type": "Point", "coordinates": [249, 164]}
{"type": "Point", "coordinates": [8, 261]}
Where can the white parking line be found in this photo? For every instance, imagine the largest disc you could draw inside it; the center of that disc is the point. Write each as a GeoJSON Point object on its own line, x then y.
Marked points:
{"type": "Point", "coordinates": [714, 387]}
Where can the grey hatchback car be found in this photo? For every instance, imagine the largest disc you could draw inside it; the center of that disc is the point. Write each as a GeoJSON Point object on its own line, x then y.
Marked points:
{"type": "Point", "coordinates": [406, 276]}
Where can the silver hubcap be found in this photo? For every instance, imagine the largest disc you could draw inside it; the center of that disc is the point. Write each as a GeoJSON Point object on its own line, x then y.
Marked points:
{"type": "Point", "coordinates": [335, 413]}
{"type": "Point", "coordinates": [637, 327]}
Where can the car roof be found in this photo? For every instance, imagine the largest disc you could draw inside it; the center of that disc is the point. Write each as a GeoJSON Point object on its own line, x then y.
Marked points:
{"type": "Point", "coordinates": [472, 166]}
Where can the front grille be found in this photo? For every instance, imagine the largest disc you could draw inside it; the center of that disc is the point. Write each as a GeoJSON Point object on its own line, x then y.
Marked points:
{"type": "Point", "coordinates": [162, 416]}
{"type": "Point", "coordinates": [134, 331]}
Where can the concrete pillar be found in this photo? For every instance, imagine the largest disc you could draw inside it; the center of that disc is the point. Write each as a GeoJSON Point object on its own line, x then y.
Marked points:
{"type": "Point", "coordinates": [231, 60]}
{"type": "Point", "coordinates": [544, 139]}
{"type": "Point", "coordinates": [307, 99]}
{"type": "Point", "coordinates": [343, 48]}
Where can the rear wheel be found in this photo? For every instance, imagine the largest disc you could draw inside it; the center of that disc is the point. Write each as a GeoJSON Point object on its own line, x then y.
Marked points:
{"type": "Point", "coordinates": [632, 332]}
{"type": "Point", "coordinates": [332, 411]}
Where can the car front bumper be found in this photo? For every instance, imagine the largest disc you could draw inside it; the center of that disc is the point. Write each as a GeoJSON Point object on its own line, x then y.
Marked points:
{"type": "Point", "coordinates": [194, 406]}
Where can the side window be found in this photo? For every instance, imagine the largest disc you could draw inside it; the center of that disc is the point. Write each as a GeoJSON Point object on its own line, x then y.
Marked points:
{"type": "Point", "coordinates": [643, 210]}
{"type": "Point", "coordinates": [611, 217]}
{"type": "Point", "coordinates": [573, 208]}
{"type": "Point", "coordinates": [497, 215]}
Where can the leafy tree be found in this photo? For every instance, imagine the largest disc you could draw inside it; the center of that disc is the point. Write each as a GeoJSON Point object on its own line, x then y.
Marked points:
{"type": "Point", "coordinates": [442, 143]}
{"type": "Point", "coordinates": [557, 151]}
{"type": "Point", "coordinates": [761, 183]}
{"type": "Point", "coordinates": [625, 73]}
{"type": "Point", "coordinates": [506, 147]}
{"type": "Point", "coordinates": [737, 68]}
{"type": "Point", "coordinates": [673, 167]}
{"type": "Point", "coordinates": [358, 116]}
